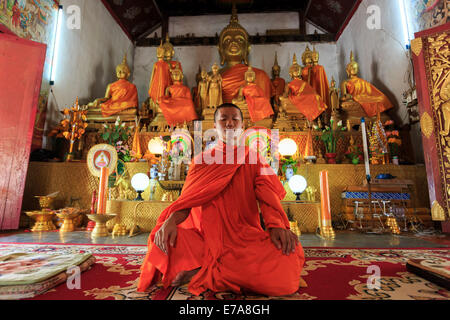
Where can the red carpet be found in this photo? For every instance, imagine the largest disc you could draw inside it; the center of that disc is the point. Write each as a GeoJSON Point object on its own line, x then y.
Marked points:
{"type": "Point", "coordinates": [331, 274]}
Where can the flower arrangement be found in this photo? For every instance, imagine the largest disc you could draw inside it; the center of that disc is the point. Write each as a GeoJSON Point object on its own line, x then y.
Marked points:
{"type": "Point", "coordinates": [393, 139]}
{"type": "Point", "coordinates": [331, 136]}
{"type": "Point", "coordinates": [117, 135]}
{"type": "Point", "coordinates": [355, 154]}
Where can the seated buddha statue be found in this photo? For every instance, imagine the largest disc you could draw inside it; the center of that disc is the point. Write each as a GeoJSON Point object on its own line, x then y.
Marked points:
{"type": "Point", "coordinates": [160, 78]}
{"type": "Point", "coordinates": [278, 84]}
{"type": "Point", "coordinates": [307, 65]}
{"type": "Point", "coordinates": [357, 92]}
{"type": "Point", "coordinates": [234, 51]}
{"type": "Point", "coordinates": [121, 98]}
{"type": "Point", "coordinates": [301, 95]}
{"type": "Point", "coordinates": [258, 104]}
{"type": "Point", "coordinates": [177, 105]}
{"type": "Point", "coordinates": [319, 80]}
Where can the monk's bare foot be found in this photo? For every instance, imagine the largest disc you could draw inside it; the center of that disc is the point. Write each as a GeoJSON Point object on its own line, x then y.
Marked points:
{"type": "Point", "coordinates": [184, 277]}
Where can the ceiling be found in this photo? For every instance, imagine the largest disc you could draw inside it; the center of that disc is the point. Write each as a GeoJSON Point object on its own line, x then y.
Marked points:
{"type": "Point", "coordinates": [139, 18]}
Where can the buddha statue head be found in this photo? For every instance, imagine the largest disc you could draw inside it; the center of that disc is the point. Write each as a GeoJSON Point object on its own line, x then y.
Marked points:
{"type": "Point", "coordinates": [176, 74]}
{"type": "Point", "coordinates": [160, 52]}
{"type": "Point", "coordinates": [352, 67]}
{"type": "Point", "coordinates": [295, 70]}
{"type": "Point", "coordinates": [123, 70]}
{"type": "Point", "coordinates": [315, 56]}
{"type": "Point", "coordinates": [215, 69]}
{"type": "Point", "coordinates": [203, 75]}
{"type": "Point", "coordinates": [307, 57]}
{"type": "Point", "coordinates": [276, 70]}
{"type": "Point", "coordinates": [250, 75]}
{"type": "Point", "coordinates": [234, 46]}
{"type": "Point", "coordinates": [169, 51]}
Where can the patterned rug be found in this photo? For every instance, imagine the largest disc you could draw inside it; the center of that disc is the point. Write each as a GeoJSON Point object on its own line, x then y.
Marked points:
{"type": "Point", "coordinates": [331, 274]}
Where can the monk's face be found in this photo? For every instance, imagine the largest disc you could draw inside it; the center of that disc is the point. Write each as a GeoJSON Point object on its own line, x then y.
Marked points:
{"type": "Point", "coordinates": [228, 124]}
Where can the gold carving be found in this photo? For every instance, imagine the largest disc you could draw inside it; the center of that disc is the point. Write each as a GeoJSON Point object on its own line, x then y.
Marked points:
{"type": "Point", "coordinates": [426, 124]}
{"type": "Point", "coordinates": [416, 46]}
{"type": "Point", "coordinates": [437, 212]}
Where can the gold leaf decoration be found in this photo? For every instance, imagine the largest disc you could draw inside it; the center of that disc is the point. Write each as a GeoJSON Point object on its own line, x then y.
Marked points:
{"type": "Point", "coordinates": [426, 124]}
{"type": "Point", "coordinates": [437, 212]}
{"type": "Point", "coordinates": [416, 46]}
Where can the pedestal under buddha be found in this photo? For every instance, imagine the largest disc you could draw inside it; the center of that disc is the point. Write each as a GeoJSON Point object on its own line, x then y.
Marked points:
{"type": "Point", "coordinates": [121, 99]}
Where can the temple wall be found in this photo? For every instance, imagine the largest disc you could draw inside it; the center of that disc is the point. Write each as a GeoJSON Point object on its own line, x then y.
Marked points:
{"type": "Point", "coordinates": [90, 57]}
{"type": "Point", "coordinates": [382, 58]}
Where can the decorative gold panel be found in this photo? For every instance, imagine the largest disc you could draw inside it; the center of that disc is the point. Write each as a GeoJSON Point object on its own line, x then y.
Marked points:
{"type": "Point", "coordinates": [426, 124]}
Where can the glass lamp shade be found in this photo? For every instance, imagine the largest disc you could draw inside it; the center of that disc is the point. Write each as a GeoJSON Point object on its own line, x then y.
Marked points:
{"type": "Point", "coordinates": [140, 182]}
{"type": "Point", "coordinates": [287, 147]}
{"type": "Point", "coordinates": [156, 146]}
{"type": "Point", "coordinates": [298, 184]}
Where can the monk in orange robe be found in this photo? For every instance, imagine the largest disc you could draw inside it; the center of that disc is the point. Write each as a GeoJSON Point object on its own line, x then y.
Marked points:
{"type": "Point", "coordinates": [258, 104]}
{"type": "Point", "coordinates": [367, 95]}
{"type": "Point", "coordinates": [177, 106]}
{"type": "Point", "coordinates": [211, 237]}
{"type": "Point", "coordinates": [160, 78]}
{"type": "Point", "coordinates": [302, 95]}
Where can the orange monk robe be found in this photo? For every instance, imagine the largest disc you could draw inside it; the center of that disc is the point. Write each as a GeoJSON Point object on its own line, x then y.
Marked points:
{"type": "Point", "coordinates": [305, 98]}
{"type": "Point", "coordinates": [160, 80]}
{"type": "Point", "coordinates": [234, 78]}
{"type": "Point", "coordinates": [369, 97]}
{"type": "Point", "coordinates": [307, 74]}
{"type": "Point", "coordinates": [173, 65]}
{"type": "Point", "coordinates": [258, 105]}
{"type": "Point", "coordinates": [319, 82]}
{"type": "Point", "coordinates": [223, 234]}
{"type": "Point", "coordinates": [124, 96]}
{"type": "Point", "coordinates": [178, 107]}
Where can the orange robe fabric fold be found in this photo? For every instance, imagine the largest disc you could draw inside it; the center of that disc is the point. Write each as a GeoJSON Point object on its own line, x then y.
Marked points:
{"type": "Point", "coordinates": [160, 80]}
{"type": "Point", "coordinates": [124, 96]}
{"type": "Point", "coordinates": [178, 107]}
{"type": "Point", "coordinates": [222, 235]}
{"type": "Point", "coordinates": [368, 96]}
{"type": "Point", "coordinates": [278, 86]}
{"type": "Point", "coordinates": [305, 98]}
{"type": "Point", "coordinates": [234, 78]}
{"type": "Point", "coordinates": [258, 105]}
{"type": "Point", "coordinates": [319, 82]}
{"type": "Point", "coordinates": [307, 74]}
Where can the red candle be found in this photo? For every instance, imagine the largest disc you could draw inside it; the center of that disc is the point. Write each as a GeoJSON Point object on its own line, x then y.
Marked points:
{"type": "Point", "coordinates": [94, 200]}
{"type": "Point", "coordinates": [325, 198]}
{"type": "Point", "coordinates": [102, 190]}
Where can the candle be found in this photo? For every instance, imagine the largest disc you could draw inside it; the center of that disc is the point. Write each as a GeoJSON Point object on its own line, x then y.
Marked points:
{"type": "Point", "coordinates": [94, 200]}
{"type": "Point", "coordinates": [325, 198]}
{"type": "Point", "coordinates": [366, 150]}
{"type": "Point", "coordinates": [102, 192]}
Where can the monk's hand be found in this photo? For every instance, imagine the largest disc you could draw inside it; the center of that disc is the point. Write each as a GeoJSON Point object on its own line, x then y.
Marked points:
{"type": "Point", "coordinates": [284, 240]}
{"type": "Point", "coordinates": [166, 235]}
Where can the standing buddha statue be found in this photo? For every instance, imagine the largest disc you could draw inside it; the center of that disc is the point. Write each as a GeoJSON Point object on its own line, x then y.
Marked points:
{"type": "Point", "coordinates": [177, 106]}
{"type": "Point", "coordinates": [302, 95]}
{"type": "Point", "coordinates": [307, 65]}
{"type": "Point", "coordinates": [367, 95]}
{"type": "Point", "coordinates": [319, 80]}
{"type": "Point", "coordinates": [278, 84]}
{"type": "Point", "coordinates": [160, 78]}
{"type": "Point", "coordinates": [258, 104]}
{"type": "Point", "coordinates": [121, 96]}
{"type": "Point", "coordinates": [202, 88]}
{"type": "Point", "coordinates": [195, 93]}
{"type": "Point", "coordinates": [234, 48]}
{"type": "Point", "coordinates": [214, 88]}
{"type": "Point", "coordinates": [169, 52]}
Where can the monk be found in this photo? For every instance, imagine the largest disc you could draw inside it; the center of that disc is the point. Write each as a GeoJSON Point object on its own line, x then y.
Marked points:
{"type": "Point", "coordinates": [160, 78]}
{"type": "Point", "coordinates": [177, 105]}
{"type": "Point", "coordinates": [211, 237]}
{"type": "Point", "coordinates": [258, 104]}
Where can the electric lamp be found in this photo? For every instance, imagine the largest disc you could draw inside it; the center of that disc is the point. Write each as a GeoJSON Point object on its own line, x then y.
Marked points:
{"type": "Point", "coordinates": [287, 147]}
{"type": "Point", "coordinates": [140, 182]}
{"type": "Point", "coordinates": [298, 185]}
{"type": "Point", "coordinates": [156, 146]}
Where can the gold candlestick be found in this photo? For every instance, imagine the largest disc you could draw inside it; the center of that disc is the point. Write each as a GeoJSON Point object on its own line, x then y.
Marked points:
{"type": "Point", "coordinates": [100, 229]}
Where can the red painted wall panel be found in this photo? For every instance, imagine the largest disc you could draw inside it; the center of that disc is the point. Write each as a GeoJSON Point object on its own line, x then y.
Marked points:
{"type": "Point", "coordinates": [21, 65]}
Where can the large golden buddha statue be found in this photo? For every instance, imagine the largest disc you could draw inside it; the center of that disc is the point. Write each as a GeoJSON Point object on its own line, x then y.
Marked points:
{"type": "Point", "coordinates": [319, 80]}
{"type": "Point", "coordinates": [160, 78]}
{"type": "Point", "coordinates": [169, 52]}
{"type": "Point", "coordinates": [307, 62]}
{"type": "Point", "coordinates": [234, 48]}
{"type": "Point", "coordinates": [278, 84]}
{"type": "Point", "coordinates": [121, 98]}
{"type": "Point", "coordinates": [364, 93]}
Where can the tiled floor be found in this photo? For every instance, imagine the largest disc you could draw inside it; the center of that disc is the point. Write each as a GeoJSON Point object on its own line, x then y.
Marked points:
{"type": "Point", "coordinates": [343, 239]}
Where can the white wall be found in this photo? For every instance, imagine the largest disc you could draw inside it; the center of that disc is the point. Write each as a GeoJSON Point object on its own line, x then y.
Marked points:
{"type": "Point", "coordinates": [87, 57]}
{"type": "Point", "coordinates": [381, 55]}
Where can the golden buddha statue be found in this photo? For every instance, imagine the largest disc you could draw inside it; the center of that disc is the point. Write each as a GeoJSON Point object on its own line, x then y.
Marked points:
{"type": "Point", "coordinates": [278, 84]}
{"type": "Point", "coordinates": [169, 52]}
{"type": "Point", "coordinates": [364, 94]}
{"type": "Point", "coordinates": [234, 48]}
{"type": "Point", "coordinates": [177, 106]}
{"type": "Point", "coordinates": [195, 91]}
{"type": "Point", "coordinates": [121, 98]}
{"type": "Point", "coordinates": [214, 88]}
{"type": "Point", "coordinates": [160, 78]}
{"type": "Point", "coordinates": [258, 105]}
{"type": "Point", "coordinates": [307, 62]}
{"type": "Point", "coordinates": [301, 96]}
{"type": "Point", "coordinates": [319, 80]}
{"type": "Point", "coordinates": [202, 91]}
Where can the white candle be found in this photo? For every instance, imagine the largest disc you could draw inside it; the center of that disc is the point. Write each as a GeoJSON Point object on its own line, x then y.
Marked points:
{"type": "Point", "coordinates": [366, 150]}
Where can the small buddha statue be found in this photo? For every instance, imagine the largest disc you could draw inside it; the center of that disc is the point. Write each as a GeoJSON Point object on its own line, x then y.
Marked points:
{"type": "Point", "coordinates": [234, 49]}
{"type": "Point", "coordinates": [195, 92]}
{"type": "Point", "coordinates": [203, 90]}
{"type": "Point", "coordinates": [169, 52]}
{"type": "Point", "coordinates": [177, 105]}
{"type": "Point", "coordinates": [278, 84]}
{"type": "Point", "coordinates": [214, 88]}
{"type": "Point", "coordinates": [319, 80]}
{"type": "Point", "coordinates": [121, 97]}
{"type": "Point", "coordinates": [364, 93]}
{"type": "Point", "coordinates": [160, 78]}
{"type": "Point", "coordinates": [258, 104]}
{"type": "Point", "coordinates": [307, 65]}
{"type": "Point", "coordinates": [302, 95]}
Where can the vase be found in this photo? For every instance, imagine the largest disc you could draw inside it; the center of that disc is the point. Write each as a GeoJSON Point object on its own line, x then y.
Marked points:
{"type": "Point", "coordinates": [395, 160]}
{"type": "Point", "coordinates": [355, 160]}
{"type": "Point", "coordinates": [331, 158]}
